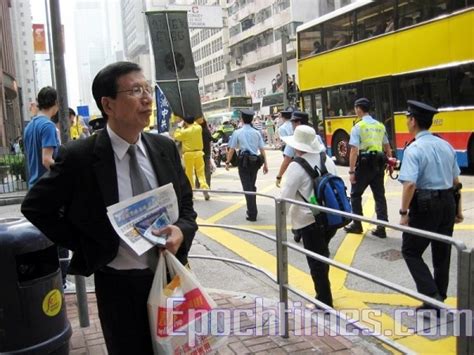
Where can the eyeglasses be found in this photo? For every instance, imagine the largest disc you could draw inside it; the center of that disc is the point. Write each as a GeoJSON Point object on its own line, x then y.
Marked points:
{"type": "Point", "coordinates": [138, 91]}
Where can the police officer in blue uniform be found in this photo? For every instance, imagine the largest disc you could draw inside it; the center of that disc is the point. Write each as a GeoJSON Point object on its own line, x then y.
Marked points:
{"type": "Point", "coordinates": [251, 156]}
{"type": "Point", "coordinates": [429, 174]}
{"type": "Point", "coordinates": [369, 151]}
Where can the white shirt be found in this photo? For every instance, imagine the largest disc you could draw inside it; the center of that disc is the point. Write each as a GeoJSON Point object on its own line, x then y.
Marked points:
{"type": "Point", "coordinates": [297, 179]}
{"type": "Point", "coordinates": [126, 258]}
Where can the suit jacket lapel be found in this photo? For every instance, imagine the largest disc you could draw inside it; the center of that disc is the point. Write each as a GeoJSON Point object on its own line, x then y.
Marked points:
{"type": "Point", "coordinates": [105, 169]}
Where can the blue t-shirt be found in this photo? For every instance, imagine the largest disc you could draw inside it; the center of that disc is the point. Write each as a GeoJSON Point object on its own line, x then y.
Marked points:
{"type": "Point", "coordinates": [40, 133]}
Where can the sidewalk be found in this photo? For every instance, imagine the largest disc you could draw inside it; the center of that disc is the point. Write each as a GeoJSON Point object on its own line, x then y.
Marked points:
{"type": "Point", "coordinates": [12, 198]}
{"type": "Point", "coordinates": [90, 340]}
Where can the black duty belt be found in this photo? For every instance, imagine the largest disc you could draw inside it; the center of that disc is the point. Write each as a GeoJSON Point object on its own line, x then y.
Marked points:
{"type": "Point", "coordinates": [435, 193]}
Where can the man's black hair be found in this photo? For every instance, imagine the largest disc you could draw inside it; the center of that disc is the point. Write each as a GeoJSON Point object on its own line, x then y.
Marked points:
{"type": "Point", "coordinates": [47, 98]}
{"type": "Point", "coordinates": [105, 82]}
{"type": "Point", "coordinates": [72, 112]}
{"type": "Point", "coordinates": [247, 119]}
{"type": "Point", "coordinates": [424, 123]}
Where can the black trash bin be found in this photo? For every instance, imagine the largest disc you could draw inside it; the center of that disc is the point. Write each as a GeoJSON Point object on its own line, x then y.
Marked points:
{"type": "Point", "coordinates": [32, 308]}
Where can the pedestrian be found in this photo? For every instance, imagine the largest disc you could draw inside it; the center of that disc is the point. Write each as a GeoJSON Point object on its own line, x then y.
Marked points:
{"type": "Point", "coordinates": [270, 128]}
{"type": "Point", "coordinates": [249, 141]}
{"type": "Point", "coordinates": [430, 178]}
{"type": "Point", "coordinates": [206, 142]}
{"type": "Point", "coordinates": [69, 204]}
{"type": "Point", "coordinates": [369, 152]}
{"type": "Point", "coordinates": [77, 129]}
{"type": "Point", "coordinates": [298, 186]}
{"type": "Point", "coordinates": [297, 118]}
{"type": "Point", "coordinates": [190, 136]}
{"type": "Point", "coordinates": [41, 142]}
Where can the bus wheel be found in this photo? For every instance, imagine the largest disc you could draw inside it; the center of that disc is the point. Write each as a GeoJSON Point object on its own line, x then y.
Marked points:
{"type": "Point", "coordinates": [340, 148]}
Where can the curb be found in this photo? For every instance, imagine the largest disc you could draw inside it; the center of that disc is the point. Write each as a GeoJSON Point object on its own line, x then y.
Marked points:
{"type": "Point", "coordinates": [5, 201]}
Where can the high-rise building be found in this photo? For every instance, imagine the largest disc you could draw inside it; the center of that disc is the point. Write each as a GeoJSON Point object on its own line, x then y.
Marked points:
{"type": "Point", "coordinates": [255, 29]}
{"type": "Point", "coordinates": [135, 34]}
{"type": "Point", "coordinates": [24, 56]}
{"type": "Point", "coordinates": [10, 118]}
{"type": "Point", "coordinates": [95, 46]}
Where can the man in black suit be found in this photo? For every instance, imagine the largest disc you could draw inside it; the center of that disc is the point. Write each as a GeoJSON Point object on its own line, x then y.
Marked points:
{"type": "Point", "coordinates": [69, 204]}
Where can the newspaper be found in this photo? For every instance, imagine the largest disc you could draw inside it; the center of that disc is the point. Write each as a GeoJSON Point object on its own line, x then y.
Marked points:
{"type": "Point", "coordinates": [135, 218]}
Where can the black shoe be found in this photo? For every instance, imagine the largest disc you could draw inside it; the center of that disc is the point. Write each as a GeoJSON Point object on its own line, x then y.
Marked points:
{"type": "Point", "coordinates": [428, 309]}
{"type": "Point", "coordinates": [254, 219]}
{"type": "Point", "coordinates": [379, 232]}
{"type": "Point", "coordinates": [297, 237]}
{"type": "Point", "coordinates": [354, 228]}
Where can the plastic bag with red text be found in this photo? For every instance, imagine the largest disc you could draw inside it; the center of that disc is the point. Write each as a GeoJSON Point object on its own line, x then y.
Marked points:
{"type": "Point", "coordinates": [179, 312]}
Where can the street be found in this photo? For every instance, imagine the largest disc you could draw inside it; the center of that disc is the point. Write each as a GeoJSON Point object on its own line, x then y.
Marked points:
{"type": "Point", "coordinates": [380, 257]}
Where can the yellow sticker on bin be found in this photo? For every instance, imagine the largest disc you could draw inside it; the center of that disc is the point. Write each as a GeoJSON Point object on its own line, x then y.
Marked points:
{"type": "Point", "coordinates": [52, 303]}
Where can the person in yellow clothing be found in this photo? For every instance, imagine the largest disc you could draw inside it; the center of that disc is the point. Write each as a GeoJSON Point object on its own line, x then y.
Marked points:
{"type": "Point", "coordinates": [190, 136]}
{"type": "Point", "coordinates": [77, 130]}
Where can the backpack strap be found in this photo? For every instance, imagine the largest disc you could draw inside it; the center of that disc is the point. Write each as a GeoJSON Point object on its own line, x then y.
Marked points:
{"type": "Point", "coordinates": [309, 170]}
{"type": "Point", "coordinates": [323, 168]}
{"type": "Point", "coordinates": [305, 165]}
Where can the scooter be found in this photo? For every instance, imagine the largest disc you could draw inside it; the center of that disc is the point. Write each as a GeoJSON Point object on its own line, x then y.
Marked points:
{"type": "Point", "coordinates": [219, 153]}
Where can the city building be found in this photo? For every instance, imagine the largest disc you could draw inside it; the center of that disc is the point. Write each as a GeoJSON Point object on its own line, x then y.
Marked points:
{"type": "Point", "coordinates": [255, 29]}
{"type": "Point", "coordinates": [10, 118]}
{"type": "Point", "coordinates": [136, 43]}
{"type": "Point", "coordinates": [24, 55]}
{"type": "Point", "coordinates": [97, 43]}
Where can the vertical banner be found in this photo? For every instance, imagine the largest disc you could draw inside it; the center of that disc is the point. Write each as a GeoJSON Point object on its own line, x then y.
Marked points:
{"type": "Point", "coordinates": [174, 64]}
{"type": "Point", "coordinates": [39, 38]}
{"type": "Point", "coordinates": [163, 111]}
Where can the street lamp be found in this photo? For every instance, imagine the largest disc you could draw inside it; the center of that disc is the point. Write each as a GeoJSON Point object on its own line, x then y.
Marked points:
{"type": "Point", "coordinates": [285, 39]}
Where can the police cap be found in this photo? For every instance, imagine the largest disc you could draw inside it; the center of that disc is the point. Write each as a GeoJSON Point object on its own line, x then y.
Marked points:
{"type": "Point", "coordinates": [286, 113]}
{"type": "Point", "coordinates": [421, 110]}
{"type": "Point", "coordinates": [97, 123]}
{"type": "Point", "coordinates": [247, 113]}
{"type": "Point", "coordinates": [300, 116]}
{"type": "Point", "coordinates": [362, 102]}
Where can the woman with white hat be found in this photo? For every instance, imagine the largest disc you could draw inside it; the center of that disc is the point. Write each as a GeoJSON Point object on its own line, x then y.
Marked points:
{"type": "Point", "coordinates": [298, 185]}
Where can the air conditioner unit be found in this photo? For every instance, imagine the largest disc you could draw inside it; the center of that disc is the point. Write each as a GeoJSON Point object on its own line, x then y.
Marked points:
{"type": "Point", "coordinates": [238, 61]}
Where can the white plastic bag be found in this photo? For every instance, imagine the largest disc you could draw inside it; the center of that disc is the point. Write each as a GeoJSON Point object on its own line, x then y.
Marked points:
{"type": "Point", "coordinates": [179, 312]}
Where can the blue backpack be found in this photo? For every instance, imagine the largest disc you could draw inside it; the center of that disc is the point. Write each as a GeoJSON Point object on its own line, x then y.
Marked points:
{"type": "Point", "coordinates": [329, 191]}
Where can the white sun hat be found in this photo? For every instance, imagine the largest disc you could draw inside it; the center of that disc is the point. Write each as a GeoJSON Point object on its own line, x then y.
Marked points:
{"type": "Point", "coordinates": [304, 139]}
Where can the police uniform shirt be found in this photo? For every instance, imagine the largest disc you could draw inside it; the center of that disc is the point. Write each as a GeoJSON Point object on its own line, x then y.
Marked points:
{"type": "Point", "coordinates": [429, 162]}
{"type": "Point", "coordinates": [355, 132]}
{"type": "Point", "coordinates": [286, 129]}
{"type": "Point", "coordinates": [297, 179]}
{"type": "Point", "coordinates": [247, 139]}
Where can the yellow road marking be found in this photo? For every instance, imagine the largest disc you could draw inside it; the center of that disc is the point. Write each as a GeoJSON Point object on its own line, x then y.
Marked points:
{"type": "Point", "coordinates": [234, 207]}
{"type": "Point", "coordinates": [464, 227]}
{"type": "Point", "coordinates": [344, 298]}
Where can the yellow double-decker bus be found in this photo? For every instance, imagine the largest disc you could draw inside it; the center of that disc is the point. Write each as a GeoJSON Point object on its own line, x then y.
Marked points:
{"type": "Point", "coordinates": [390, 51]}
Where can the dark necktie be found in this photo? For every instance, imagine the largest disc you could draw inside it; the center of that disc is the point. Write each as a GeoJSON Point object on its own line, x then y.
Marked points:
{"type": "Point", "coordinates": [138, 179]}
{"type": "Point", "coordinates": [140, 185]}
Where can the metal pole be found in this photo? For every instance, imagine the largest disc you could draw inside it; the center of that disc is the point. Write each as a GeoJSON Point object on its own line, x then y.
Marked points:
{"type": "Point", "coordinates": [61, 87]}
{"type": "Point", "coordinates": [59, 68]}
{"type": "Point", "coordinates": [51, 51]}
{"type": "Point", "coordinates": [284, 41]}
{"type": "Point", "coordinates": [282, 266]}
{"type": "Point", "coordinates": [464, 299]}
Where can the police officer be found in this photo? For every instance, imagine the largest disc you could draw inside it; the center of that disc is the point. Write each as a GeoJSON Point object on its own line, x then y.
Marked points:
{"type": "Point", "coordinates": [250, 143]}
{"type": "Point", "coordinates": [429, 175]}
{"type": "Point", "coordinates": [367, 165]}
{"type": "Point", "coordinates": [224, 131]}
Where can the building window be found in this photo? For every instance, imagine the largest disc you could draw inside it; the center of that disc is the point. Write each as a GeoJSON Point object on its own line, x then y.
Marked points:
{"type": "Point", "coordinates": [234, 30]}
{"type": "Point", "coordinates": [247, 23]}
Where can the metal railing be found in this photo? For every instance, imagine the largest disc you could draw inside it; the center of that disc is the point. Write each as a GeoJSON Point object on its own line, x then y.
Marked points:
{"type": "Point", "coordinates": [465, 271]}
{"type": "Point", "coordinates": [13, 175]}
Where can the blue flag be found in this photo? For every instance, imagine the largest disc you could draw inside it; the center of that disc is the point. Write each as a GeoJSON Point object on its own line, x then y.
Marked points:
{"type": "Point", "coordinates": [163, 111]}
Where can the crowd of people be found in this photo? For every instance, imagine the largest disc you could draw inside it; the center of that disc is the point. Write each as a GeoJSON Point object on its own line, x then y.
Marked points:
{"type": "Point", "coordinates": [122, 160]}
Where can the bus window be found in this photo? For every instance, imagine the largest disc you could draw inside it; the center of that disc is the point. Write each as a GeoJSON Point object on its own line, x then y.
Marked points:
{"type": "Point", "coordinates": [415, 11]}
{"type": "Point", "coordinates": [339, 31]}
{"type": "Point", "coordinates": [374, 20]}
{"type": "Point", "coordinates": [429, 87]}
{"type": "Point", "coordinates": [340, 101]}
{"type": "Point", "coordinates": [310, 42]}
{"type": "Point", "coordinates": [463, 85]}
